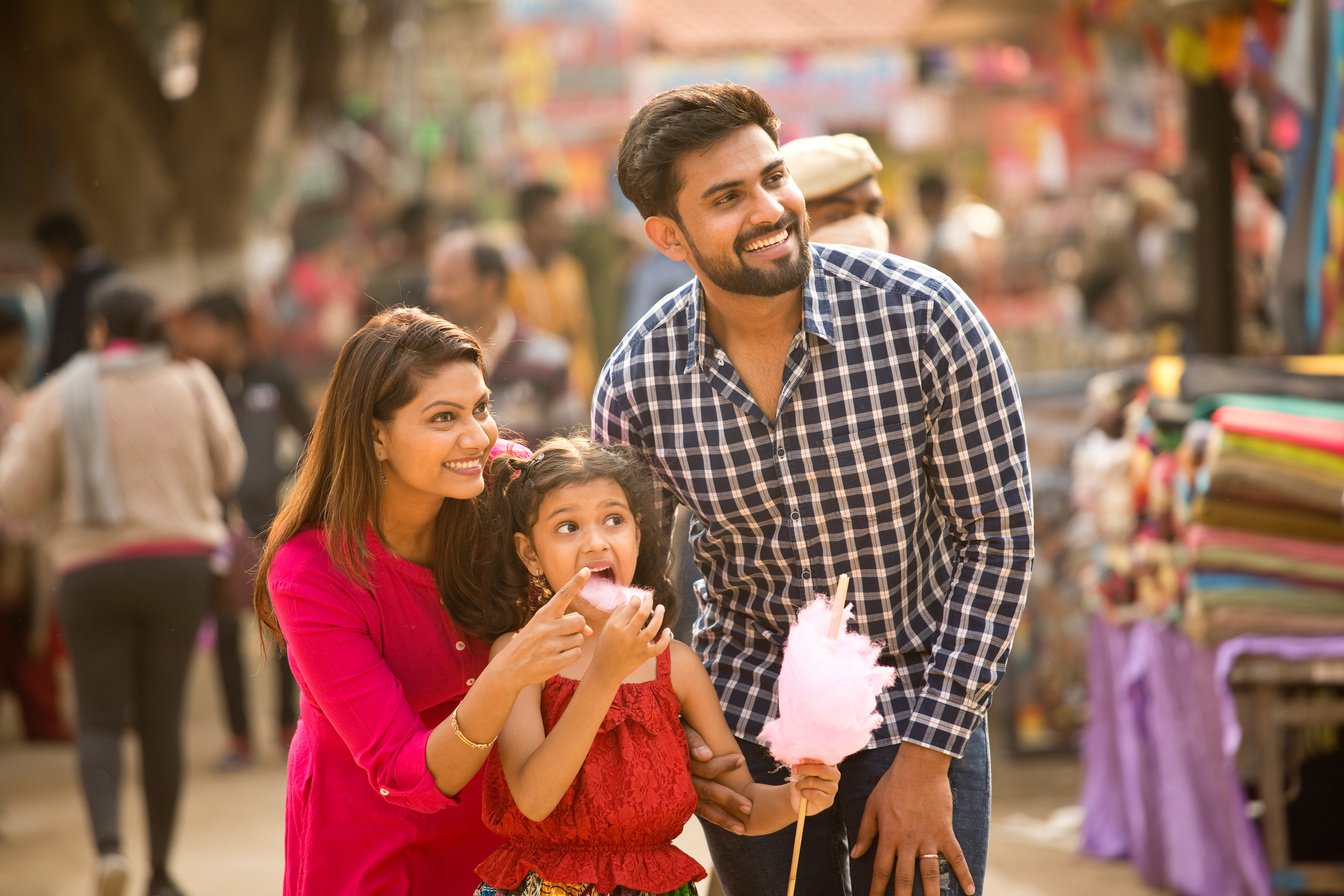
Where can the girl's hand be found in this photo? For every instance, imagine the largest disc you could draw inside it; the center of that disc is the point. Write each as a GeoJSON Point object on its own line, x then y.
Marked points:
{"type": "Point", "coordinates": [550, 641]}
{"type": "Point", "coordinates": [815, 782]}
{"type": "Point", "coordinates": [632, 634]}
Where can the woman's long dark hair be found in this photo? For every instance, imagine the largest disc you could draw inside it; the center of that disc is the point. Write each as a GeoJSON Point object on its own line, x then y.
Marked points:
{"type": "Point", "coordinates": [515, 490]}
{"type": "Point", "coordinates": [377, 373]}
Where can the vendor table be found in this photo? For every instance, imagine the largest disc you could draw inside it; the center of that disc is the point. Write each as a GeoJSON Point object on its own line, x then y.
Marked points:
{"type": "Point", "coordinates": [1161, 785]}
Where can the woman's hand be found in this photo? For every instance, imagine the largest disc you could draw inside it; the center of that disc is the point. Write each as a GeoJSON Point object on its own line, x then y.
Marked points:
{"type": "Point", "coordinates": [632, 635]}
{"type": "Point", "coordinates": [814, 782]}
{"type": "Point", "coordinates": [550, 641]}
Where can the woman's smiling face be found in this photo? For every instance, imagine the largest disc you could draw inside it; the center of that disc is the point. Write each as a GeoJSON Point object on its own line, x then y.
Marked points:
{"type": "Point", "coordinates": [436, 446]}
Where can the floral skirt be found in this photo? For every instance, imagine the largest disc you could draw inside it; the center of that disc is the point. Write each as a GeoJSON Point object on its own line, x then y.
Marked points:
{"type": "Point", "coordinates": [535, 886]}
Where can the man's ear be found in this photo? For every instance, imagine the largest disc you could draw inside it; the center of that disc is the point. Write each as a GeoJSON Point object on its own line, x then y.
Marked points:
{"type": "Point", "coordinates": [666, 237]}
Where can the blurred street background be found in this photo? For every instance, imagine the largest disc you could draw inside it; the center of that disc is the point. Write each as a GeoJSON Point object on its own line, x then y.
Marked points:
{"type": "Point", "coordinates": [1145, 198]}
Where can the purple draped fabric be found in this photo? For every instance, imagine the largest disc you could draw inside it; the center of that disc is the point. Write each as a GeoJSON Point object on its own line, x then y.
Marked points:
{"type": "Point", "coordinates": [1160, 782]}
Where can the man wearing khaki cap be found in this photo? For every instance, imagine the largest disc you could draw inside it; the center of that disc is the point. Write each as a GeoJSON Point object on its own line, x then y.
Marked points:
{"type": "Point", "coordinates": [837, 174]}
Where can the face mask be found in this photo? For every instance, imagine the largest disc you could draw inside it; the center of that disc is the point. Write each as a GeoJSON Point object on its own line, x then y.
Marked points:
{"type": "Point", "coordinates": [862, 230]}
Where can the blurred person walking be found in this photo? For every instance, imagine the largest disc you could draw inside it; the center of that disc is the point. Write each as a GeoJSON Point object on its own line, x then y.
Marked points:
{"type": "Point", "coordinates": [526, 368]}
{"type": "Point", "coordinates": [267, 406]}
{"type": "Point", "coordinates": [548, 287]}
{"type": "Point", "coordinates": [400, 277]}
{"type": "Point", "coordinates": [837, 175]}
{"type": "Point", "coordinates": [27, 667]}
{"type": "Point", "coordinates": [78, 267]}
{"type": "Point", "coordinates": [951, 246]}
{"type": "Point", "coordinates": [131, 451]}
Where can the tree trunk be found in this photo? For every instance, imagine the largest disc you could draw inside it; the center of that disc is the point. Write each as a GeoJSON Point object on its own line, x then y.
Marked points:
{"type": "Point", "coordinates": [1213, 134]}
{"type": "Point", "coordinates": [166, 185]}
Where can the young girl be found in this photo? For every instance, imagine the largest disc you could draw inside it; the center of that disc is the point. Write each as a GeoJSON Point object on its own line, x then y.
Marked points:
{"type": "Point", "coordinates": [590, 783]}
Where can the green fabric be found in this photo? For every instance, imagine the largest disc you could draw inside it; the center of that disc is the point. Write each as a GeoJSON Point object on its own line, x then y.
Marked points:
{"type": "Point", "coordinates": [1287, 404]}
{"type": "Point", "coordinates": [1280, 452]}
{"type": "Point", "coordinates": [1295, 599]}
{"type": "Point", "coordinates": [1243, 560]}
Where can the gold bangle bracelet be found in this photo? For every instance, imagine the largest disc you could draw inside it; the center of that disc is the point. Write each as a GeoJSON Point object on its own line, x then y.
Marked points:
{"type": "Point", "coordinates": [452, 720]}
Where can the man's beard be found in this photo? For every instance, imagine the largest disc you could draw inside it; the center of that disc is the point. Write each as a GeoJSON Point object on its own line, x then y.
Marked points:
{"type": "Point", "coordinates": [785, 275]}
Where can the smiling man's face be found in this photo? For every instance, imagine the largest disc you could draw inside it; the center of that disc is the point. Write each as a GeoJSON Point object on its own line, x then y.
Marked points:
{"type": "Point", "coordinates": [742, 217]}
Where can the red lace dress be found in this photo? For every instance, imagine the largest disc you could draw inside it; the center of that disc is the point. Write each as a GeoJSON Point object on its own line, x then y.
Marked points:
{"type": "Point", "coordinates": [614, 826]}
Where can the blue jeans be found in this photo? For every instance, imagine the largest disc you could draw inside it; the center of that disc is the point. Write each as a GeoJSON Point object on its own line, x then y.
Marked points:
{"type": "Point", "coordinates": [752, 865]}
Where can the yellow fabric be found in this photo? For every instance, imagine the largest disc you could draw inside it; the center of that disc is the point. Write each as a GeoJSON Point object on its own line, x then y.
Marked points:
{"type": "Point", "coordinates": [555, 299]}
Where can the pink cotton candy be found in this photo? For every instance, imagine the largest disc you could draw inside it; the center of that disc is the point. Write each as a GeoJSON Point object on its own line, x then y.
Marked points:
{"type": "Point", "coordinates": [607, 596]}
{"type": "Point", "coordinates": [828, 691]}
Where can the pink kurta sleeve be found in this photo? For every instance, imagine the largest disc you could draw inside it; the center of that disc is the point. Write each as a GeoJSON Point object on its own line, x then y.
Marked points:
{"type": "Point", "coordinates": [333, 637]}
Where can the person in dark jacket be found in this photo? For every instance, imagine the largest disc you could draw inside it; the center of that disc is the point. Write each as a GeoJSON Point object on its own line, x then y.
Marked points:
{"type": "Point", "coordinates": [79, 267]}
{"type": "Point", "coordinates": [266, 404]}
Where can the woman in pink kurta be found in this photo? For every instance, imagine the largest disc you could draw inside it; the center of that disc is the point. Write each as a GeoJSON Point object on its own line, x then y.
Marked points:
{"type": "Point", "coordinates": [370, 575]}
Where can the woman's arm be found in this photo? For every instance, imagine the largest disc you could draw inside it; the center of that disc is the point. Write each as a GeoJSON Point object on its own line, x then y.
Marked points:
{"type": "Point", "coordinates": [539, 767]}
{"type": "Point", "coordinates": [773, 806]}
{"type": "Point", "coordinates": [325, 620]}
{"type": "Point", "coordinates": [32, 458]}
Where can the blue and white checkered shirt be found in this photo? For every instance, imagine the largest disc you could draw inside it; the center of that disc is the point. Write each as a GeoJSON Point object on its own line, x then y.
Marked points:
{"type": "Point", "coordinates": [897, 456]}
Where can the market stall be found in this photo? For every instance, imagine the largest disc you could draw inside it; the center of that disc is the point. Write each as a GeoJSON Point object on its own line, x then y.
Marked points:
{"type": "Point", "coordinates": [1216, 653]}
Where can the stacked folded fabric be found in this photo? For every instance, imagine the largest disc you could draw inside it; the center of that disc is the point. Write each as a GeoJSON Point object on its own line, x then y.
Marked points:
{"type": "Point", "coordinates": [1266, 548]}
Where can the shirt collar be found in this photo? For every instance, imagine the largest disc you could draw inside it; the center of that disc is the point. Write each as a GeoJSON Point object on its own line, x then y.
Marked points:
{"type": "Point", "coordinates": [817, 318]}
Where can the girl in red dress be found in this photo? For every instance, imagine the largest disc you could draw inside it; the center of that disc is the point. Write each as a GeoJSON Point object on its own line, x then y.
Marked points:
{"type": "Point", "coordinates": [590, 782]}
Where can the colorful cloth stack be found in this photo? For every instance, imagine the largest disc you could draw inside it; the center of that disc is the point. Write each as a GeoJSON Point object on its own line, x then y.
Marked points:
{"type": "Point", "coordinates": [1266, 545]}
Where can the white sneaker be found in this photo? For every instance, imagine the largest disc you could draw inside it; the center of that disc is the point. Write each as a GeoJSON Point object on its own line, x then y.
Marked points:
{"type": "Point", "coordinates": [113, 873]}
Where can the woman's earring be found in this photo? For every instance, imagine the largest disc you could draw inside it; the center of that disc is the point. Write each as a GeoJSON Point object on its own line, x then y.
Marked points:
{"type": "Point", "coordinates": [382, 474]}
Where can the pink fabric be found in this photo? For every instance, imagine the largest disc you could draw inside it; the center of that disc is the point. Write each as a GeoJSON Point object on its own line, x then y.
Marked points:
{"type": "Point", "coordinates": [827, 691]}
{"type": "Point", "coordinates": [1314, 432]}
{"type": "Point", "coordinates": [378, 668]}
{"type": "Point", "coordinates": [1297, 548]}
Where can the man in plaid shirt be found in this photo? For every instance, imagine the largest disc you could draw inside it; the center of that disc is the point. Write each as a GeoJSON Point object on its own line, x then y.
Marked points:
{"type": "Point", "coordinates": [824, 410]}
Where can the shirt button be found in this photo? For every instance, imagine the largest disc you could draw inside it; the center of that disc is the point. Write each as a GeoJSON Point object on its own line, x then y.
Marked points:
{"type": "Point", "coordinates": [461, 645]}
{"type": "Point", "coordinates": [807, 573]}
{"type": "Point", "coordinates": [721, 359]}
{"type": "Point", "coordinates": [384, 791]}
{"type": "Point", "coordinates": [794, 515]}
{"type": "Point", "coordinates": [470, 682]}
{"type": "Point", "coordinates": [780, 453]}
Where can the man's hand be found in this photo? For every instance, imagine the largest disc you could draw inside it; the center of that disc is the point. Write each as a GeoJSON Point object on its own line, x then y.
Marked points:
{"type": "Point", "coordinates": [910, 814]}
{"type": "Point", "coordinates": [718, 804]}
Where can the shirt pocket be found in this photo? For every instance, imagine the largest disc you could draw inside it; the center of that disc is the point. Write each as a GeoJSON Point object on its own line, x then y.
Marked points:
{"type": "Point", "coordinates": [869, 480]}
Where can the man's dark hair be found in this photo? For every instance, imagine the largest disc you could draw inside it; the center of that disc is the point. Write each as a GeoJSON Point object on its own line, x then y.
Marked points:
{"type": "Point", "coordinates": [932, 185]}
{"type": "Point", "coordinates": [129, 312]}
{"type": "Point", "coordinates": [533, 197]}
{"type": "Point", "coordinates": [224, 306]}
{"type": "Point", "coordinates": [677, 121]}
{"type": "Point", "coordinates": [488, 263]}
{"type": "Point", "coordinates": [60, 230]}
{"type": "Point", "coordinates": [415, 216]}
{"type": "Point", "coordinates": [12, 318]}
{"type": "Point", "coordinates": [1097, 288]}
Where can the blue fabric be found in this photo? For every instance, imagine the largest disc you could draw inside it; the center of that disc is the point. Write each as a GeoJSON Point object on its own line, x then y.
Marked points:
{"type": "Point", "coordinates": [753, 865]}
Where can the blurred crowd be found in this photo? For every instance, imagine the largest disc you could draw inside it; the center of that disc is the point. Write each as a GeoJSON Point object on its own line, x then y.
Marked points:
{"type": "Point", "coordinates": [549, 293]}
{"type": "Point", "coordinates": [209, 399]}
